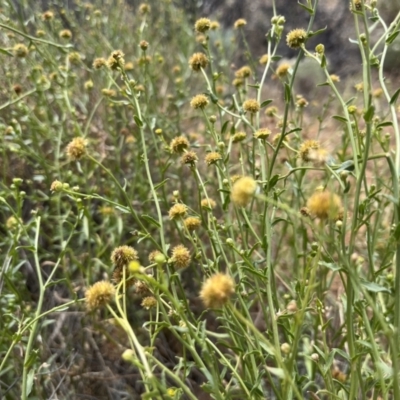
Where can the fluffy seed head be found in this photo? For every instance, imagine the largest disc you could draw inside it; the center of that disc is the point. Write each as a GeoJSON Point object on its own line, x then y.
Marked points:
{"type": "Point", "coordinates": [99, 294]}
{"type": "Point", "coordinates": [217, 290]}
{"type": "Point", "coordinates": [199, 101]}
{"type": "Point", "coordinates": [251, 105]}
{"type": "Point", "coordinates": [76, 149]}
{"type": "Point", "coordinates": [243, 190]}
{"type": "Point", "coordinates": [178, 210]}
{"type": "Point", "coordinates": [180, 256]}
{"type": "Point", "coordinates": [123, 255]}
{"type": "Point", "coordinates": [296, 38]}
{"type": "Point", "coordinates": [198, 61]}
{"type": "Point", "coordinates": [325, 205]}
{"type": "Point", "coordinates": [202, 25]}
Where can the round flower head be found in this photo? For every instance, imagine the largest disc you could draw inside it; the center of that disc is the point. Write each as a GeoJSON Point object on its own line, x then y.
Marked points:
{"type": "Point", "coordinates": [217, 290]}
{"type": "Point", "coordinates": [243, 190]}
{"type": "Point", "coordinates": [199, 101]}
{"type": "Point", "coordinates": [202, 25]}
{"type": "Point", "coordinates": [116, 59]}
{"type": "Point", "coordinates": [144, 9]}
{"type": "Point", "coordinates": [192, 223]}
{"type": "Point", "coordinates": [251, 105]}
{"type": "Point", "coordinates": [262, 133]}
{"type": "Point", "coordinates": [214, 25]}
{"type": "Point", "coordinates": [178, 210]}
{"type": "Point", "coordinates": [76, 149]}
{"type": "Point", "coordinates": [74, 57]}
{"type": "Point", "coordinates": [149, 302]}
{"type": "Point", "coordinates": [264, 59]}
{"type": "Point", "coordinates": [180, 256]}
{"type": "Point", "coordinates": [208, 204]}
{"type": "Point", "coordinates": [20, 50]}
{"type": "Point", "coordinates": [306, 148]}
{"type": "Point", "coordinates": [212, 157]}
{"type": "Point", "coordinates": [198, 61]}
{"type": "Point", "coordinates": [238, 137]}
{"type": "Point", "coordinates": [99, 63]}
{"type": "Point", "coordinates": [324, 205]}
{"type": "Point", "coordinates": [239, 23]}
{"type": "Point", "coordinates": [47, 16]}
{"type": "Point", "coordinates": [296, 38]}
{"type": "Point", "coordinates": [179, 144]}
{"type": "Point", "coordinates": [282, 70]}
{"type": "Point", "coordinates": [123, 255]}
{"type": "Point", "coordinates": [65, 34]}
{"type": "Point", "coordinates": [189, 158]}
{"type": "Point", "coordinates": [99, 294]}
{"type": "Point", "coordinates": [56, 186]}
{"type": "Point", "coordinates": [243, 72]}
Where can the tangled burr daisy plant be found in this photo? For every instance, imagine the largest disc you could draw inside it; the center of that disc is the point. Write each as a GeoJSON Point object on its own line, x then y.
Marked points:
{"type": "Point", "coordinates": [233, 198]}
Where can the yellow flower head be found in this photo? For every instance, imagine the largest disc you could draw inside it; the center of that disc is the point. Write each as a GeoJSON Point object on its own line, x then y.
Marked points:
{"type": "Point", "coordinates": [243, 190]}
{"type": "Point", "coordinates": [217, 290]}
{"type": "Point", "coordinates": [198, 61]}
{"type": "Point", "coordinates": [180, 256]}
{"type": "Point", "coordinates": [123, 255]}
{"type": "Point", "coordinates": [296, 38]}
{"type": "Point", "coordinates": [325, 205]}
{"type": "Point", "coordinates": [76, 149]}
{"type": "Point", "coordinates": [99, 294]}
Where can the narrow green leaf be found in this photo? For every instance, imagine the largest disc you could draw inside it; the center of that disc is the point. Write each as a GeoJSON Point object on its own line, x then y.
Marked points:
{"type": "Point", "coordinates": [6, 52]}
{"type": "Point", "coordinates": [265, 103]}
{"type": "Point", "coordinates": [151, 220]}
{"type": "Point", "coordinates": [340, 118]}
{"type": "Point", "coordinates": [374, 287]}
{"type": "Point", "coordinates": [383, 124]}
{"type": "Point", "coordinates": [224, 127]}
{"type": "Point", "coordinates": [308, 9]}
{"type": "Point", "coordinates": [390, 39]}
{"type": "Point", "coordinates": [319, 31]}
{"type": "Point", "coordinates": [368, 115]}
{"type": "Point", "coordinates": [395, 96]}
{"type": "Point", "coordinates": [29, 381]}
{"type": "Point", "coordinates": [323, 61]}
{"type": "Point", "coordinates": [160, 184]}
{"type": "Point", "coordinates": [138, 121]}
